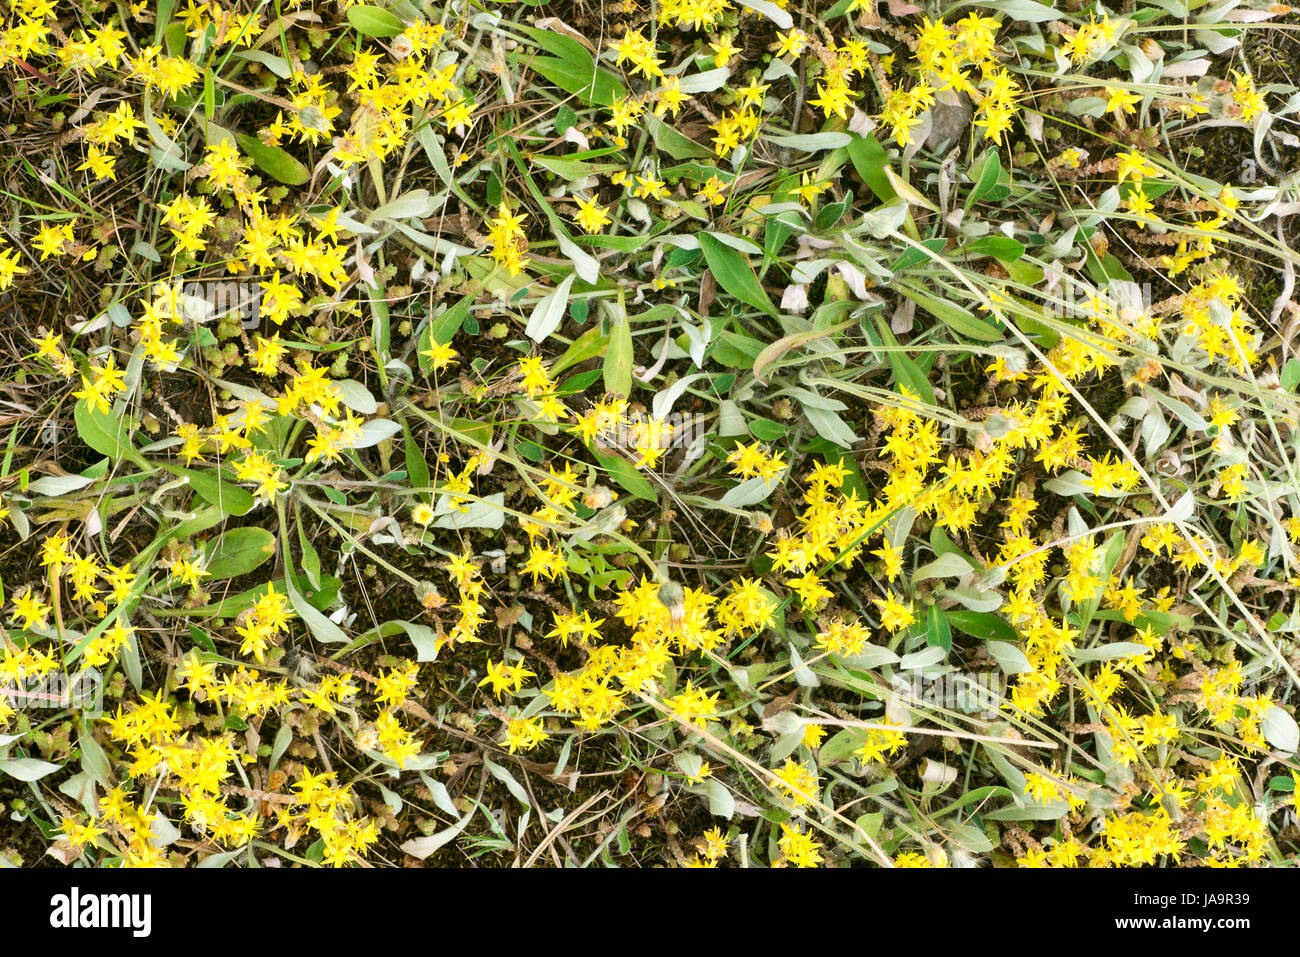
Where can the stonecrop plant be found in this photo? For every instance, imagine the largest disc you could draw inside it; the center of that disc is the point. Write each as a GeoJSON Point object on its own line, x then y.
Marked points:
{"type": "Point", "coordinates": [657, 432]}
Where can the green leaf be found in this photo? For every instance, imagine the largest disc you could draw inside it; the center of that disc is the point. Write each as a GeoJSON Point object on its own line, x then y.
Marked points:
{"type": "Point", "coordinates": [214, 135]}
{"type": "Point", "coordinates": [321, 627]}
{"type": "Point", "coordinates": [441, 329]}
{"type": "Point", "coordinates": [1009, 657]}
{"type": "Point", "coordinates": [721, 803]}
{"type": "Point", "coordinates": [957, 318]}
{"type": "Point", "coordinates": [27, 769]}
{"type": "Point", "coordinates": [1004, 248]}
{"type": "Point", "coordinates": [209, 95]}
{"type": "Point", "coordinates": [618, 358]}
{"type": "Point", "coordinates": [210, 487]}
{"type": "Point", "coordinates": [1110, 651]}
{"type": "Point", "coordinates": [573, 68]}
{"type": "Point", "coordinates": [590, 344]}
{"type": "Point", "coordinates": [174, 36]}
{"type": "Point", "coordinates": [549, 311]}
{"type": "Point", "coordinates": [162, 16]}
{"type": "Point", "coordinates": [625, 474]}
{"type": "Point", "coordinates": [915, 257]}
{"type": "Point", "coordinates": [1114, 269]}
{"type": "Point", "coordinates": [947, 565]}
{"type": "Point", "coordinates": [981, 624]}
{"type": "Point", "coordinates": [1114, 548]}
{"type": "Point", "coordinates": [274, 161]}
{"type": "Point", "coordinates": [1291, 375]}
{"type": "Point", "coordinates": [781, 17]}
{"type": "Point", "coordinates": [202, 639]}
{"type": "Point", "coordinates": [55, 486]}
{"type": "Point", "coordinates": [417, 469]}
{"type": "Point", "coordinates": [444, 327]}
{"type": "Point", "coordinates": [840, 746]}
{"type": "Point", "coordinates": [673, 143]}
{"type": "Point", "coordinates": [488, 513]}
{"type": "Point", "coordinates": [424, 638]}
{"type": "Point", "coordinates": [908, 193]}
{"type": "Point", "coordinates": [906, 371]}
{"type": "Point", "coordinates": [130, 659]}
{"type": "Point", "coordinates": [869, 159]}
{"type": "Point", "coordinates": [374, 22]}
{"type": "Point", "coordinates": [1029, 11]}
{"type": "Point", "coordinates": [985, 178]}
{"type": "Point", "coordinates": [1032, 812]}
{"type": "Point", "coordinates": [749, 492]}
{"type": "Point", "coordinates": [937, 632]}
{"type": "Point", "coordinates": [310, 558]}
{"type": "Point", "coordinates": [276, 64]}
{"type": "Point", "coordinates": [1280, 730]}
{"type": "Point", "coordinates": [734, 273]}
{"type": "Point", "coordinates": [571, 170]}
{"type": "Point", "coordinates": [105, 433]}
{"type": "Point", "coordinates": [93, 758]}
{"type": "Point", "coordinates": [1282, 783]}
{"type": "Point", "coordinates": [829, 426]}
{"type": "Point", "coordinates": [237, 551]}
{"type": "Point", "coordinates": [810, 142]}
{"type": "Point", "coordinates": [766, 429]}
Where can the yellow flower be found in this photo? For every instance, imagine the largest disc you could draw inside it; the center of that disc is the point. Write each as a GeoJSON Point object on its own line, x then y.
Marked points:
{"type": "Point", "coordinates": [31, 610]}
{"type": "Point", "coordinates": [713, 844]}
{"type": "Point", "coordinates": [1133, 165]}
{"type": "Point", "coordinates": [1118, 98]}
{"type": "Point", "coordinates": [752, 95]}
{"type": "Point", "coordinates": [590, 216]}
{"type": "Point", "coordinates": [894, 614]}
{"type": "Point", "coordinates": [792, 43]}
{"type": "Point", "coordinates": [813, 735]}
{"type": "Point", "coordinates": [1041, 788]}
{"type": "Point", "coordinates": [503, 677]}
{"type": "Point", "coordinates": [800, 849]}
{"type": "Point", "coordinates": [1246, 97]}
{"type": "Point", "coordinates": [809, 189]}
{"type": "Point", "coordinates": [99, 163]}
{"type": "Point", "coordinates": [712, 191]}
{"type": "Point", "coordinates": [440, 355]}
{"type": "Point", "coordinates": [723, 51]}
{"type": "Point", "coordinates": [188, 572]}
{"type": "Point", "coordinates": [507, 239]}
{"type": "Point", "coordinates": [798, 781]}
{"type": "Point", "coordinates": [267, 354]}
{"type": "Point", "coordinates": [79, 835]}
{"type": "Point", "coordinates": [54, 240]}
{"type": "Point", "coordinates": [524, 734]}
{"type": "Point", "coordinates": [693, 705]}
{"type": "Point", "coordinates": [1139, 205]}
{"type": "Point", "coordinates": [670, 97]}
{"type": "Point", "coordinates": [9, 268]}
{"type": "Point", "coordinates": [704, 771]}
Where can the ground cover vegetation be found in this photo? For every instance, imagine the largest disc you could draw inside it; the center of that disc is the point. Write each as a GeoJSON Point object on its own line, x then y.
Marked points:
{"type": "Point", "coordinates": [687, 432]}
